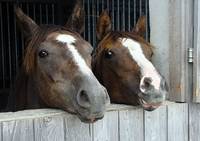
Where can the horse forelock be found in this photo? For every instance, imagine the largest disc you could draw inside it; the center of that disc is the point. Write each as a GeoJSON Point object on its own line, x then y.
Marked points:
{"type": "Point", "coordinates": [38, 37]}
{"type": "Point", "coordinates": [112, 37]}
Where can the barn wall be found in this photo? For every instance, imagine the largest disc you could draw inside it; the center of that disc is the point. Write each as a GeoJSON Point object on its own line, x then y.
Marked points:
{"type": "Point", "coordinates": [171, 26]}
{"type": "Point", "coordinates": [170, 122]}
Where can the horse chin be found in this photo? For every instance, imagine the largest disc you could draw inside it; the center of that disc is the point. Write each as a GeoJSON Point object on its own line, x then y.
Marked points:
{"type": "Point", "coordinates": [70, 111]}
{"type": "Point", "coordinates": [84, 119]}
{"type": "Point", "coordinates": [89, 120]}
{"type": "Point", "coordinates": [149, 106]}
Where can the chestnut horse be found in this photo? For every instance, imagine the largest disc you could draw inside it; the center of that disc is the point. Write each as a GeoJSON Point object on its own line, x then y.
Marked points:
{"type": "Point", "coordinates": [56, 70]}
{"type": "Point", "coordinates": [121, 62]}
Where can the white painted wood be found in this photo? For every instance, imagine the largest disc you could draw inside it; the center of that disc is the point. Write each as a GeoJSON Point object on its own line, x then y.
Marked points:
{"type": "Point", "coordinates": [75, 130]}
{"type": "Point", "coordinates": [131, 125]}
{"type": "Point", "coordinates": [106, 129]}
{"type": "Point", "coordinates": [49, 128]}
{"type": "Point", "coordinates": [196, 70]}
{"type": "Point", "coordinates": [156, 124]}
{"type": "Point", "coordinates": [20, 130]}
{"type": "Point", "coordinates": [180, 38]}
{"type": "Point", "coordinates": [178, 122]}
{"type": "Point", "coordinates": [194, 120]}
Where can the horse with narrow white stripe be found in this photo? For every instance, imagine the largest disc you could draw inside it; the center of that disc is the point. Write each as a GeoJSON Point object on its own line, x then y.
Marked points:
{"type": "Point", "coordinates": [56, 70]}
{"type": "Point", "coordinates": [122, 64]}
{"type": "Point", "coordinates": [78, 59]}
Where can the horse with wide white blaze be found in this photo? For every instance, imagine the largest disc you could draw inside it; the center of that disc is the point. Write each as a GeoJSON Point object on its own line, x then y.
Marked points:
{"type": "Point", "coordinates": [122, 64]}
{"type": "Point", "coordinates": [56, 70]}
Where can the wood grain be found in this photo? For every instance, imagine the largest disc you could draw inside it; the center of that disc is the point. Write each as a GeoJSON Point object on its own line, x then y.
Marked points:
{"type": "Point", "coordinates": [156, 124]}
{"type": "Point", "coordinates": [19, 130]}
{"type": "Point", "coordinates": [106, 129]}
{"type": "Point", "coordinates": [49, 129]}
{"type": "Point", "coordinates": [178, 122]}
{"type": "Point", "coordinates": [131, 125]}
{"type": "Point", "coordinates": [196, 70]}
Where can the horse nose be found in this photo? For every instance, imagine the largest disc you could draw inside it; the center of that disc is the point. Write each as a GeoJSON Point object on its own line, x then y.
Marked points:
{"type": "Point", "coordinates": [148, 86]}
{"type": "Point", "coordinates": [83, 99]}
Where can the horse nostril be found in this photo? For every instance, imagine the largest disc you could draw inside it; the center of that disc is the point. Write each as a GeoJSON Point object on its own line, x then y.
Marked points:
{"type": "Point", "coordinates": [147, 82]}
{"type": "Point", "coordinates": [83, 99]}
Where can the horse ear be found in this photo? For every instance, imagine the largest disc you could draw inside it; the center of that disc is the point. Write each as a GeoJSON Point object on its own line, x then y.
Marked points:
{"type": "Point", "coordinates": [27, 25]}
{"type": "Point", "coordinates": [76, 20]}
{"type": "Point", "coordinates": [103, 25]}
{"type": "Point", "coordinates": [140, 27]}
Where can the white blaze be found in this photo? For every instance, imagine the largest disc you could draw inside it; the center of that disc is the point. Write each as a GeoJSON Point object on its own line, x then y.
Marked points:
{"type": "Point", "coordinates": [147, 68]}
{"type": "Point", "coordinates": [69, 40]}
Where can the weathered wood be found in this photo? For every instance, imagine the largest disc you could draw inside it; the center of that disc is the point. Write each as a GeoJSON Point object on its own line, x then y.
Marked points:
{"type": "Point", "coordinates": [178, 122]}
{"type": "Point", "coordinates": [180, 29]}
{"type": "Point", "coordinates": [156, 124]}
{"type": "Point", "coordinates": [49, 128]}
{"type": "Point", "coordinates": [196, 70]}
{"type": "Point", "coordinates": [75, 130]}
{"type": "Point", "coordinates": [131, 125]}
{"type": "Point", "coordinates": [159, 35]}
{"type": "Point", "coordinates": [194, 122]}
{"type": "Point", "coordinates": [19, 130]}
{"type": "Point", "coordinates": [30, 114]}
{"type": "Point", "coordinates": [1, 130]}
{"type": "Point", "coordinates": [121, 123]}
{"type": "Point", "coordinates": [106, 129]}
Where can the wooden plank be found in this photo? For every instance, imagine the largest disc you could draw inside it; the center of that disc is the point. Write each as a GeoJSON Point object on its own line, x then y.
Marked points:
{"type": "Point", "coordinates": [196, 70]}
{"type": "Point", "coordinates": [194, 120]}
{"type": "Point", "coordinates": [30, 114]}
{"type": "Point", "coordinates": [159, 35]}
{"type": "Point", "coordinates": [156, 124]}
{"type": "Point", "coordinates": [21, 130]}
{"type": "Point", "coordinates": [131, 125]}
{"type": "Point", "coordinates": [180, 29]}
{"type": "Point", "coordinates": [106, 129]}
{"type": "Point", "coordinates": [178, 122]}
{"type": "Point", "coordinates": [40, 113]}
{"type": "Point", "coordinates": [1, 131]}
{"type": "Point", "coordinates": [75, 130]}
{"type": "Point", "coordinates": [49, 128]}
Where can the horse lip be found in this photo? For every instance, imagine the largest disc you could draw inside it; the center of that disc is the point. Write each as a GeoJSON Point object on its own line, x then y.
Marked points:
{"type": "Point", "coordinates": [89, 120]}
{"type": "Point", "coordinates": [149, 106]}
{"type": "Point", "coordinates": [83, 119]}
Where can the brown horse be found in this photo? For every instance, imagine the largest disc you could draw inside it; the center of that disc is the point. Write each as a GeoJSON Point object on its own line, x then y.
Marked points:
{"type": "Point", "coordinates": [122, 64]}
{"type": "Point", "coordinates": [56, 70]}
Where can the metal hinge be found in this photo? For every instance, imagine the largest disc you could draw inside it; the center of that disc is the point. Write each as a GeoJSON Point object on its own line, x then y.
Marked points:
{"type": "Point", "coordinates": [190, 54]}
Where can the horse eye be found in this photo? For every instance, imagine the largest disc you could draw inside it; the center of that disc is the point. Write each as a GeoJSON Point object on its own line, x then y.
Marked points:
{"type": "Point", "coordinates": [108, 54]}
{"type": "Point", "coordinates": [43, 53]}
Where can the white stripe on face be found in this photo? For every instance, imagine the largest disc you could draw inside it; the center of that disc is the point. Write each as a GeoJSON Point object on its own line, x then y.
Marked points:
{"type": "Point", "coordinates": [69, 40]}
{"type": "Point", "coordinates": [147, 68]}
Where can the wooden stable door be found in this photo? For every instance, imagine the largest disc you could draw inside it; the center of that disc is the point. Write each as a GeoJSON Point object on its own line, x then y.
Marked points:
{"type": "Point", "coordinates": [196, 64]}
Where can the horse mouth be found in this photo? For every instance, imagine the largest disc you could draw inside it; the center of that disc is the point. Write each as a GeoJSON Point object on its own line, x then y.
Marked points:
{"type": "Point", "coordinates": [149, 106]}
{"type": "Point", "coordinates": [89, 120]}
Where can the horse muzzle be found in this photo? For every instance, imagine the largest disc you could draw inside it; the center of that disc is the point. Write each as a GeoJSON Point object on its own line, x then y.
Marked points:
{"type": "Point", "coordinates": [150, 96]}
{"type": "Point", "coordinates": [91, 101]}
